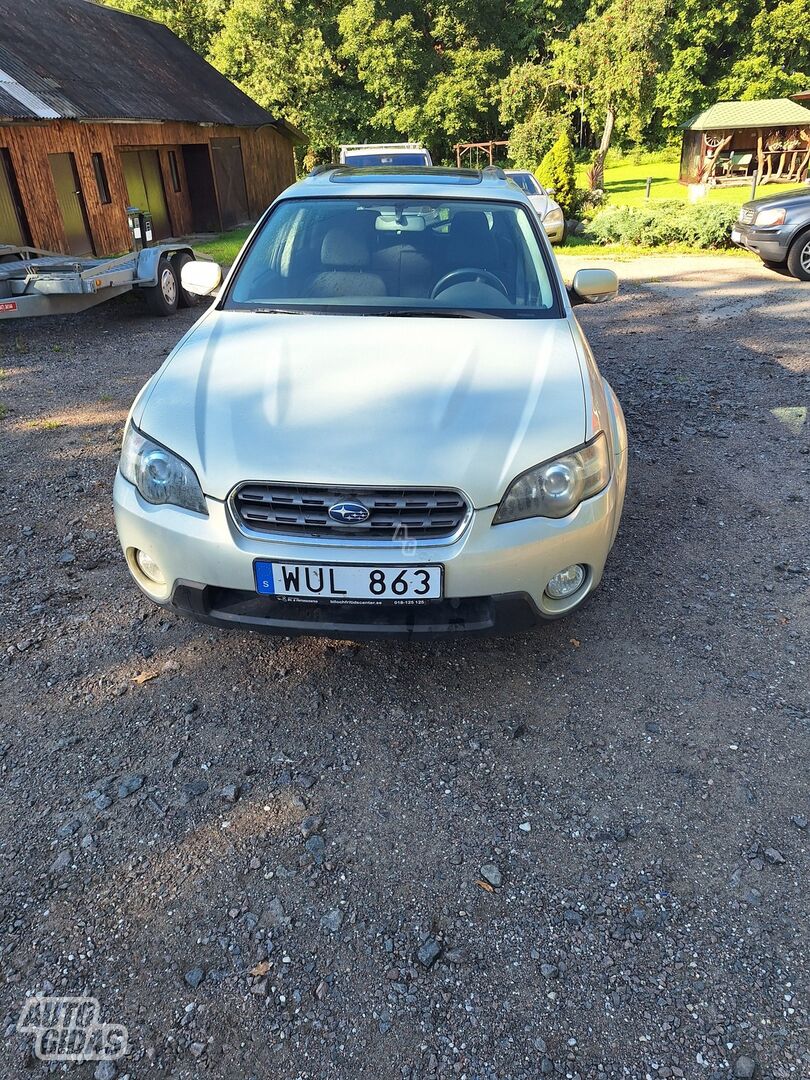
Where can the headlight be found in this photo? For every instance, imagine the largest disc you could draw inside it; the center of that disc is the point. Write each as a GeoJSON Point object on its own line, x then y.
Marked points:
{"type": "Point", "coordinates": [557, 488]}
{"type": "Point", "coordinates": [554, 217]}
{"type": "Point", "coordinates": [158, 474]}
{"type": "Point", "coordinates": [772, 216]}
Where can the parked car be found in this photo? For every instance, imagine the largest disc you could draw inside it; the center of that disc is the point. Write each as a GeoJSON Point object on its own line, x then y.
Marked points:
{"type": "Point", "coordinates": [388, 421]}
{"type": "Point", "coordinates": [777, 228]}
{"type": "Point", "coordinates": [365, 155]}
{"type": "Point", "coordinates": [549, 212]}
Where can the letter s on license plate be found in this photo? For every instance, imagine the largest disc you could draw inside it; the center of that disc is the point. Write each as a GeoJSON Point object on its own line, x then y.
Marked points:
{"type": "Point", "coordinates": [314, 581]}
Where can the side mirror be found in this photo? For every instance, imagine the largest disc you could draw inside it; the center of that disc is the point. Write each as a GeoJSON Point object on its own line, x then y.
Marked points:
{"type": "Point", "coordinates": [593, 286]}
{"type": "Point", "coordinates": [551, 191]}
{"type": "Point", "coordinates": [201, 277]}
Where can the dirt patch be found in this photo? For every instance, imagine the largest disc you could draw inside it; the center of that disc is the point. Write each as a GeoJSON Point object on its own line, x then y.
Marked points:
{"type": "Point", "coordinates": [275, 858]}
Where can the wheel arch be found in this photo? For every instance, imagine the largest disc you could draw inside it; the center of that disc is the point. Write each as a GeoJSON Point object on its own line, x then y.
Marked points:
{"type": "Point", "coordinates": [149, 260]}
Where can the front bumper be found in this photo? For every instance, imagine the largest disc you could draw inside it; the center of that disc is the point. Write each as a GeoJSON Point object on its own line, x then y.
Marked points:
{"type": "Point", "coordinates": [494, 577]}
{"type": "Point", "coordinates": [769, 244]}
{"type": "Point", "coordinates": [555, 233]}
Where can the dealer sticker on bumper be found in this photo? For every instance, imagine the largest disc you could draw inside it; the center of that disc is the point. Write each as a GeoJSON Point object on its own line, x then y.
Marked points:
{"type": "Point", "coordinates": [323, 582]}
{"type": "Point", "coordinates": [736, 237]}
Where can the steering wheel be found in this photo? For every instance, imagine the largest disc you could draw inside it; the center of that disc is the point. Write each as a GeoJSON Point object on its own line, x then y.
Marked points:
{"type": "Point", "coordinates": [468, 273]}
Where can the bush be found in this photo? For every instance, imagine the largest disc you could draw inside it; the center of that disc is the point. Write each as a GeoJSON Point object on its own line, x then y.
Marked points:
{"type": "Point", "coordinates": [558, 171]}
{"type": "Point", "coordinates": [588, 203]}
{"type": "Point", "coordinates": [705, 225]}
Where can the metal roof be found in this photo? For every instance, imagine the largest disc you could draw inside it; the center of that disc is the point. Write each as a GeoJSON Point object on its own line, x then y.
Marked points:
{"type": "Point", "coordinates": [74, 59]}
{"type": "Point", "coordinates": [767, 113]}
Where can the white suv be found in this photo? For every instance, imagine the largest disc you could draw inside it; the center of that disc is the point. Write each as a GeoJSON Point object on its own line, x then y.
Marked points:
{"type": "Point", "coordinates": [389, 421]}
{"type": "Point", "coordinates": [368, 155]}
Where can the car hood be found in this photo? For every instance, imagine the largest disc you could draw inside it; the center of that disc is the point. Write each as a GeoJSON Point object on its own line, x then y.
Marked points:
{"type": "Point", "coordinates": [542, 204]}
{"type": "Point", "coordinates": [799, 197]}
{"type": "Point", "coordinates": [368, 401]}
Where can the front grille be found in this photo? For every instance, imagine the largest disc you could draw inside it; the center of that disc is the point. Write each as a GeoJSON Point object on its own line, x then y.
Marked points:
{"type": "Point", "coordinates": [399, 514]}
{"type": "Point", "coordinates": [747, 216]}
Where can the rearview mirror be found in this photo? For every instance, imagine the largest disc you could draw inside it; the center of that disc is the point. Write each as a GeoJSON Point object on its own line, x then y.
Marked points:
{"type": "Point", "coordinates": [593, 286]}
{"type": "Point", "coordinates": [201, 277]}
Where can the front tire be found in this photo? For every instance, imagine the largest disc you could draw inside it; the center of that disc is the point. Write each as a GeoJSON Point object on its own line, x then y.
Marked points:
{"type": "Point", "coordinates": [798, 260]}
{"type": "Point", "coordinates": [163, 298]}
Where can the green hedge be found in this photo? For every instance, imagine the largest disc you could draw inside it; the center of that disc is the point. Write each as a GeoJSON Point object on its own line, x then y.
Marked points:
{"type": "Point", "coordinates": [703, 225]}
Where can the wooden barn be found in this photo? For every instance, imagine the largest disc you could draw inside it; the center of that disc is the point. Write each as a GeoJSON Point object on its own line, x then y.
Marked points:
{"type": "Point", "coordinates": [731, 140]}
{"type": "Point", "coordinates": [101, 110]}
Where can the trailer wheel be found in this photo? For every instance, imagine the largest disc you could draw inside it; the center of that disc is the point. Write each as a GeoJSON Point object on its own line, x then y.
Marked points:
{"type": "Point", "coordinates": [162, 299]}
{"type": "Point", "coordinates": [185, 299]}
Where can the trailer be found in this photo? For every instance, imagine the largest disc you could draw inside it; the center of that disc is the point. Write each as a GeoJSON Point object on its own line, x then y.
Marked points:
{"type": "Point", "coordinates": [35, 282]}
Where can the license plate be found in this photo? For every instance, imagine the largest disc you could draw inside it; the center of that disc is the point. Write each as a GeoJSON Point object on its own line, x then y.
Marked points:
{"type": "Point", "coordinates": [735, 236]}
{"type": "Point", "coordinates": [316, 581]}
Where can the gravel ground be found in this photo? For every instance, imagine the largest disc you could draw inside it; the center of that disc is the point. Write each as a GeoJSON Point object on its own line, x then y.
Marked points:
{"type": "Point", "coordinates": [573, 853]}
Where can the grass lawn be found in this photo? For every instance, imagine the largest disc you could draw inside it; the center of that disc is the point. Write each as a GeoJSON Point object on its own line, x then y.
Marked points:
{"type": "Point", "coordinates": [225, 247]}
{"type": "Point", "coordinates": [625, 183]}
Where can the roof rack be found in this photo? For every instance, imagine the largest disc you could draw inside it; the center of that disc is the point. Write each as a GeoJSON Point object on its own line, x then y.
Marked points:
{"type": "Point", "coordinates": [382, 146]}
{"type": "Point", "coordinates": [318, 169]}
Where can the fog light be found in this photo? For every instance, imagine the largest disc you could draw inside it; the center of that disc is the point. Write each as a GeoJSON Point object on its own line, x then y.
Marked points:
{"type": "Point", "coordinates": [149, 568]}
{"type": "Point", "coordinates": [566, 582]}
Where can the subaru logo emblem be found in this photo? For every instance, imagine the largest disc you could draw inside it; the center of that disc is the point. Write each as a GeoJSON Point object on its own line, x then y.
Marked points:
{"type": "Point", "coordinates": [349, 513]}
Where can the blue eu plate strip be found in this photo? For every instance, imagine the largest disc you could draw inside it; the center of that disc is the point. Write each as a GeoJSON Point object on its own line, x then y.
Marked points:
{"type": "Point", "coordinates": [264, 577]}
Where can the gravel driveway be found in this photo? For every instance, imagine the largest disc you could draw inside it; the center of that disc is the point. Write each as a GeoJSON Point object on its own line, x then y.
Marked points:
{"type": "Point", "coordinates": [574, 853]}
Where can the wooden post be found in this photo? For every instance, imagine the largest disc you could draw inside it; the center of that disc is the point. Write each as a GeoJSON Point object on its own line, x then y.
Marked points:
{"type": "Point", "coordinates": [458, 155]}
{"type": "Point", "coordinates": [649, 185]}
{"type": "Point", "coordinates": [754, 184]}
{"type": "Point", "coordinates": [760, 154]}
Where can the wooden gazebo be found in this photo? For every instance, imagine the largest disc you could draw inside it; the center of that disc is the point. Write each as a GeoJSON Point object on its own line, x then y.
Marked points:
{"type": "Point", "coordinates": [466, 150]}
{"type": "Point", "coordinates": [732, 140]}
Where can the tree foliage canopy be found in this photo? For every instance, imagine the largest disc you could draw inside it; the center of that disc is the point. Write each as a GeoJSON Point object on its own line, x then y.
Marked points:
{"type": "Point", "coordinates": [444, 71]}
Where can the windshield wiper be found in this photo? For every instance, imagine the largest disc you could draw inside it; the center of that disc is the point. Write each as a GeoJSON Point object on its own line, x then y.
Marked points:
{"type": "Point", "coordinates": [433, 313]}
{"type": "Point", "coordinates": [260, 309]}
{"type": "Point", "coordinates": [426, 313]}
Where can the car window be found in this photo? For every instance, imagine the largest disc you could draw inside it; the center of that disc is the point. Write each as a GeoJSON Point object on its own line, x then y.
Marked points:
{"type": "Point", "coordinates": [527, 182]}
{"type": "Point", "coordinates": [362, 161]}
{"type": "Point", "coordinates": [396, 254]}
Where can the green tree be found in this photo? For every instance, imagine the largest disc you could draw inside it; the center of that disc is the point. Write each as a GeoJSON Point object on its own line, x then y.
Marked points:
{"type": "Point", "coordinates": [432, 70]}
{"type": "Point", "coordinates": [195, 21]}
{"type": "Point", "coordinates": [283, 54]}
{"type": "Point", "coordinates": [536, 110]}
{"type": "Point", "coordinates": [775, 57]}
{"type": "Point", "coordinates": [558, 171]}
{"type": "Point", "coordinates": [701, 40]}
{"type": "Point", "coordinates": [614, 56]}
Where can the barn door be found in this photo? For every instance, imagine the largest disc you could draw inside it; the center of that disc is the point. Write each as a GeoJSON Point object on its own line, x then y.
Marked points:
{"type": "Point", "coordinates": [155, 194]}
{"type": "Point", "coordinates": [230, 176]}
{"type": "Point", "coordinates": [201, 191]}
{"type": "Point", "coordinates": [13, 228]}
{"type": "Point", "coordinates": [145, 188]}
{"type": "Point", "coordinates": [71, 204]}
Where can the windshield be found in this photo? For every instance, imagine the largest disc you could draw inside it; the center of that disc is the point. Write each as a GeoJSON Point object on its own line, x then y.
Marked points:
{"type": "Point", "coordinates": [391, 256]}
{"type": "Point", "coordinates": [526, 181]}
{"type": "Point", "coordinates": [362, 161]}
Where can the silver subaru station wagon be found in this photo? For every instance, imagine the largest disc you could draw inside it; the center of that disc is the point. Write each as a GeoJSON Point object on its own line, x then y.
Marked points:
{"type": "Point", "coordinates": [388, 421]}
